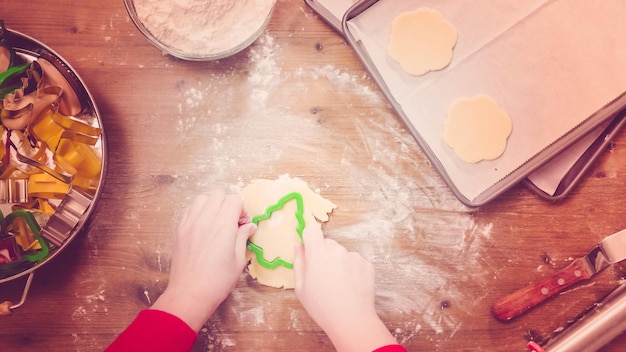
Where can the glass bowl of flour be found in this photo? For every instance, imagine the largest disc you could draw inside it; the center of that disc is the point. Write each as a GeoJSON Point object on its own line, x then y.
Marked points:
{"type": "Point", "coordinates": [200, 30]}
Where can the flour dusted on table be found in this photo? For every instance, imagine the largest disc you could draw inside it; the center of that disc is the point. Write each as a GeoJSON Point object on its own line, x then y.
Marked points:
{"type": "Point", "coordinates": [204, 27]}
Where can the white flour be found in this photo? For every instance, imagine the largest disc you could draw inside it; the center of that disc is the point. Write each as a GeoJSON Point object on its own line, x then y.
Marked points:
{"type": "Point", "coordinates": [201, 27]}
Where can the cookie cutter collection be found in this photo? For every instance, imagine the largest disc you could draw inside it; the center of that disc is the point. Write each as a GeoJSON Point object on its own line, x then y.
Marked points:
{"type": "Point", "coordinates": [50, 164]}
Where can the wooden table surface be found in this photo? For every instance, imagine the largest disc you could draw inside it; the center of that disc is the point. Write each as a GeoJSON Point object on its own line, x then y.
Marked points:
{"type": "Point", "coordinates": [297, 102]}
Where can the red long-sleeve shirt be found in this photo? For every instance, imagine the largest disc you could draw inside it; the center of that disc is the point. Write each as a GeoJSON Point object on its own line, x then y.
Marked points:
{"type": "Point", "coordinates": [155, 330]}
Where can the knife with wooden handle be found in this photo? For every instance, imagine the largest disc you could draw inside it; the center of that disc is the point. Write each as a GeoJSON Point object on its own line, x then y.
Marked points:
{"type": "Point", "coordinates": [610, 250]}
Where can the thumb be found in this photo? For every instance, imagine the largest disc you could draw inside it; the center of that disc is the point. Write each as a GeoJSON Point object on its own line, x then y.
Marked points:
{"type": "Point", "coordinates": [241, 241]}
{"type": "Point", "coordinates": [299, 266]}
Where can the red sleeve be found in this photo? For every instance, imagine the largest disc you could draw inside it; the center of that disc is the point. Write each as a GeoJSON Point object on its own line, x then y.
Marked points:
{"type": "Point", "coordinates": [155, 331]}
{"type": "Point", "coordinates": [391, 348]}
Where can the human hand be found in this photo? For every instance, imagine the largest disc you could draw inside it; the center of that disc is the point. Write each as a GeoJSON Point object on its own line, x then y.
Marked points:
{"type": "Point", "coordinates": [336, 288]}
{"type": "Point", "coordinates": [208, 257]}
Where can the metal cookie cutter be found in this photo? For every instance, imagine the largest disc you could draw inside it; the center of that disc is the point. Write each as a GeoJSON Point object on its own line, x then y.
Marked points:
{"type": "Point", "coordinates": [66, 217]}
{"type": "Point", "coordinates": [14, 190]}
{"type": "Point", "coordinates": [278, 261]}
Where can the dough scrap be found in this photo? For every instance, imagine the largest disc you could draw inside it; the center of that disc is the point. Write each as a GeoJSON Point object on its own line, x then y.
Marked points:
{"type": "Point", "coordinates": [421, 41]}
{"type": "Point", "coordinates": [277, 235]}
{"type": "Point", "coordinates": [477, 129]}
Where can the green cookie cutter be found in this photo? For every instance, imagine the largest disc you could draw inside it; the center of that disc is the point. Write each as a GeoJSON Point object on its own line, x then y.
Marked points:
{"type": "Point", "coordinates": [278, 261]}
{"type": "Point", "coordinates": [34, 228]}
{"type": "Point", "coordinates": [11, 78]}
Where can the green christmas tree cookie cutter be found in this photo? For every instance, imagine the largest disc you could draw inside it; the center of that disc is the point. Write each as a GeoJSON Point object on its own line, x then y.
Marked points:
{"type": "Point", "coordinates": [258, 251]}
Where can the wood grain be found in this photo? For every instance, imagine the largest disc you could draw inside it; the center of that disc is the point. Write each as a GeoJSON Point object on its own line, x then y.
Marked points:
{"type": "Point", "coordinates": [175, 129]}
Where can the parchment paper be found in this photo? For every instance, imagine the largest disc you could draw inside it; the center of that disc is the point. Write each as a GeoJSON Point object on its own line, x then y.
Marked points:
{"type": "Point", "coordinates": [550, 64]}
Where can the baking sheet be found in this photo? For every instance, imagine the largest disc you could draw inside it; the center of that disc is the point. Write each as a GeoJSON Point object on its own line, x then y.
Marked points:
{"type": "Point", "coordinates": [549, 176]}
{"type": "Point", "coordinates": [554, 179]}
{"type": "Point", "coordinates": [547, 83]}
{"type": "Point", "coordinates": [332, 11]}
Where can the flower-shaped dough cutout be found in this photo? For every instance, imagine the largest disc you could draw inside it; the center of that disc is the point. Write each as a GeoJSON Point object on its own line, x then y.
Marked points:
{"type": "Point", "coordinates": [421, 41]}
{"type": "Point", "coordinates": [477, 129]}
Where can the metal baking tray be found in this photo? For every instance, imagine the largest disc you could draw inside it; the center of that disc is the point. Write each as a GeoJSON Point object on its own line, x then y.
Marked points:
{"type": "Point", "coordinates": [577, 164]}
{"type": "Point", "coordinates": [578, 137]}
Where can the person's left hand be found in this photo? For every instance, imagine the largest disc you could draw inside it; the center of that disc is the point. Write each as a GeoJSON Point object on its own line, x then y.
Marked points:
{"type": "Point", "coordinates": [208, 257]}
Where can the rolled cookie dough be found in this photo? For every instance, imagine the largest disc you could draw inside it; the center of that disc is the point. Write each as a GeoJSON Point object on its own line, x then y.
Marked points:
{"type": "Point", "coordinates": [421, 41]}
{"type": "Point", "coordinates": [477, 129]}
{"type": "Point", "coordinates": [277, 235]}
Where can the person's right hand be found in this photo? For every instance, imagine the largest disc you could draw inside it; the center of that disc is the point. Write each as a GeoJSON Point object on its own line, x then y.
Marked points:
{"type": "Point", "coordinates": [208, 258]}
{"type": "Point", "coordinates": [336, 288]}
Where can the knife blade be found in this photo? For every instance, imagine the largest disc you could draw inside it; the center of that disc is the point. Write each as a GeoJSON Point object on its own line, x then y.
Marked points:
{"type": "Point", "coordinates": [610, 250]}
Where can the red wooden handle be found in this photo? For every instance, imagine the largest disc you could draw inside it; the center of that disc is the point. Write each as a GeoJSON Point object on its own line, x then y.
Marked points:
{"type": "Point", "coordinates": [511, 306]}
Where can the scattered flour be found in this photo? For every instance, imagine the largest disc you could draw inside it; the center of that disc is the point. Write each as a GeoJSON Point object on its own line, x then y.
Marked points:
{"type": "Point", "coordinates": [94, 303]}
{"type": "Point", "coordinates": [263, 74]}
{"type": "Point", "coordinates": [253, 316]}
